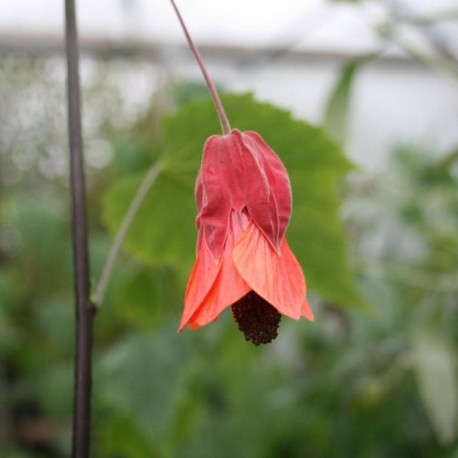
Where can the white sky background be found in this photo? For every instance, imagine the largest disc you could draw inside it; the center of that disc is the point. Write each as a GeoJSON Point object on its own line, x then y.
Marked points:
{"type": "Point", "coordinates": [390, 107]}
{"type": "Point", "coordinates": [315, 24]}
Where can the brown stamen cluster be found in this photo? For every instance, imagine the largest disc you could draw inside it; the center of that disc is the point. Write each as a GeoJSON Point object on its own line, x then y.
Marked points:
{"type": "Point", "coordinates": [257, 319]}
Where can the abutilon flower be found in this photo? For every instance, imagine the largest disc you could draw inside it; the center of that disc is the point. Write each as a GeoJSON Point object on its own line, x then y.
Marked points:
{"type": "Point", "coordinates": [243, 260]}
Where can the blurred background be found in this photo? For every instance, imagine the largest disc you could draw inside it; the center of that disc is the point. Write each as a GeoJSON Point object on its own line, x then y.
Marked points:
{"type": "Point", "coordinates": [374, 169]}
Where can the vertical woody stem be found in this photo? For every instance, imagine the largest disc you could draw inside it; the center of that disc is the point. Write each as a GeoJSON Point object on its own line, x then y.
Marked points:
{"type": "Point", "coordinates": [211, 87]}
{"type": "Point", "coordinates": [84, 307]}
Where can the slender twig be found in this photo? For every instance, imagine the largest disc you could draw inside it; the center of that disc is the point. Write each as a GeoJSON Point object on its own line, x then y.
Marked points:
{"type": "Point", "coordinates": [211, 87]}
{"type": "Point", "coordinates": [154, 172]}
{"type": "Point", "coordinates": [135, 205]}
{"type": "Point", "coordinates": [84, 307]}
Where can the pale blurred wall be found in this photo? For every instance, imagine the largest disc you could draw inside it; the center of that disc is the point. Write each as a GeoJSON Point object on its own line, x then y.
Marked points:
{"type": "Point", "coordinates": [395, 101]}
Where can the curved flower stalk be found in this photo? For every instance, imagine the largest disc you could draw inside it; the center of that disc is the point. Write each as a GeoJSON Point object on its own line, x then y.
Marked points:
{"type": "Point", "coordinates": [243, 260]}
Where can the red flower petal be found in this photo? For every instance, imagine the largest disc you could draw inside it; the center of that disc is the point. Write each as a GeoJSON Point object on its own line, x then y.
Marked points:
{"type": "Point", "coordinates": [306, 311]}
{"type": "Point", "coordinates": [270, 212]}
{"type": "Point", "coordinates": [278, 278]}
{"type": "Point", "coordinates": [226, 287]}
{"type": "Point", "coordinates": [202, 278]}
{"type": "Point", "coordinates": [240, 171]}
{"type": "Point", "coordinates": [217, 191]}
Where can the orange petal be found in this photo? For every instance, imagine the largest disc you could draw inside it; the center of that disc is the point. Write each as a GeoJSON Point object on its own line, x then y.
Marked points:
{"type": "Point", "coordinates": [228, 288]}
{"type": "Point", "coordinates": [203, 276]}
{"type": "Point", "coordinates": [278, 278]}
{"type": "Point", "coordinates": [306, 311]}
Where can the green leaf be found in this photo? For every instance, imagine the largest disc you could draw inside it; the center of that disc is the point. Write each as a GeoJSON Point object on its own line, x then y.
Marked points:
{"type": "Point", "coordinates": [438, 383]}
{"type": "Point", "coordinates": [338, 105]}
{"type": "Point", "coordinates": [120, 436]}
{"type": "Point", "coordinates": [147, 291]}
{"type": "Point", "coordinates": [164, 230]}
{"type": "Point", "coordinates": [143, 377]}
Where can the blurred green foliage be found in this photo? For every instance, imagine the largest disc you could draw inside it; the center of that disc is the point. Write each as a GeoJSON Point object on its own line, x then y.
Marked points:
{"type": "Point", "coordinates": [349, 385]}
{"type": "Point", "coordinates": [338, 108]}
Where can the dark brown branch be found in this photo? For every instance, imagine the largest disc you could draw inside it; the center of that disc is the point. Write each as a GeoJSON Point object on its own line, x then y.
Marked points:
{"type": "Point", "coordinates": [84, 307]}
